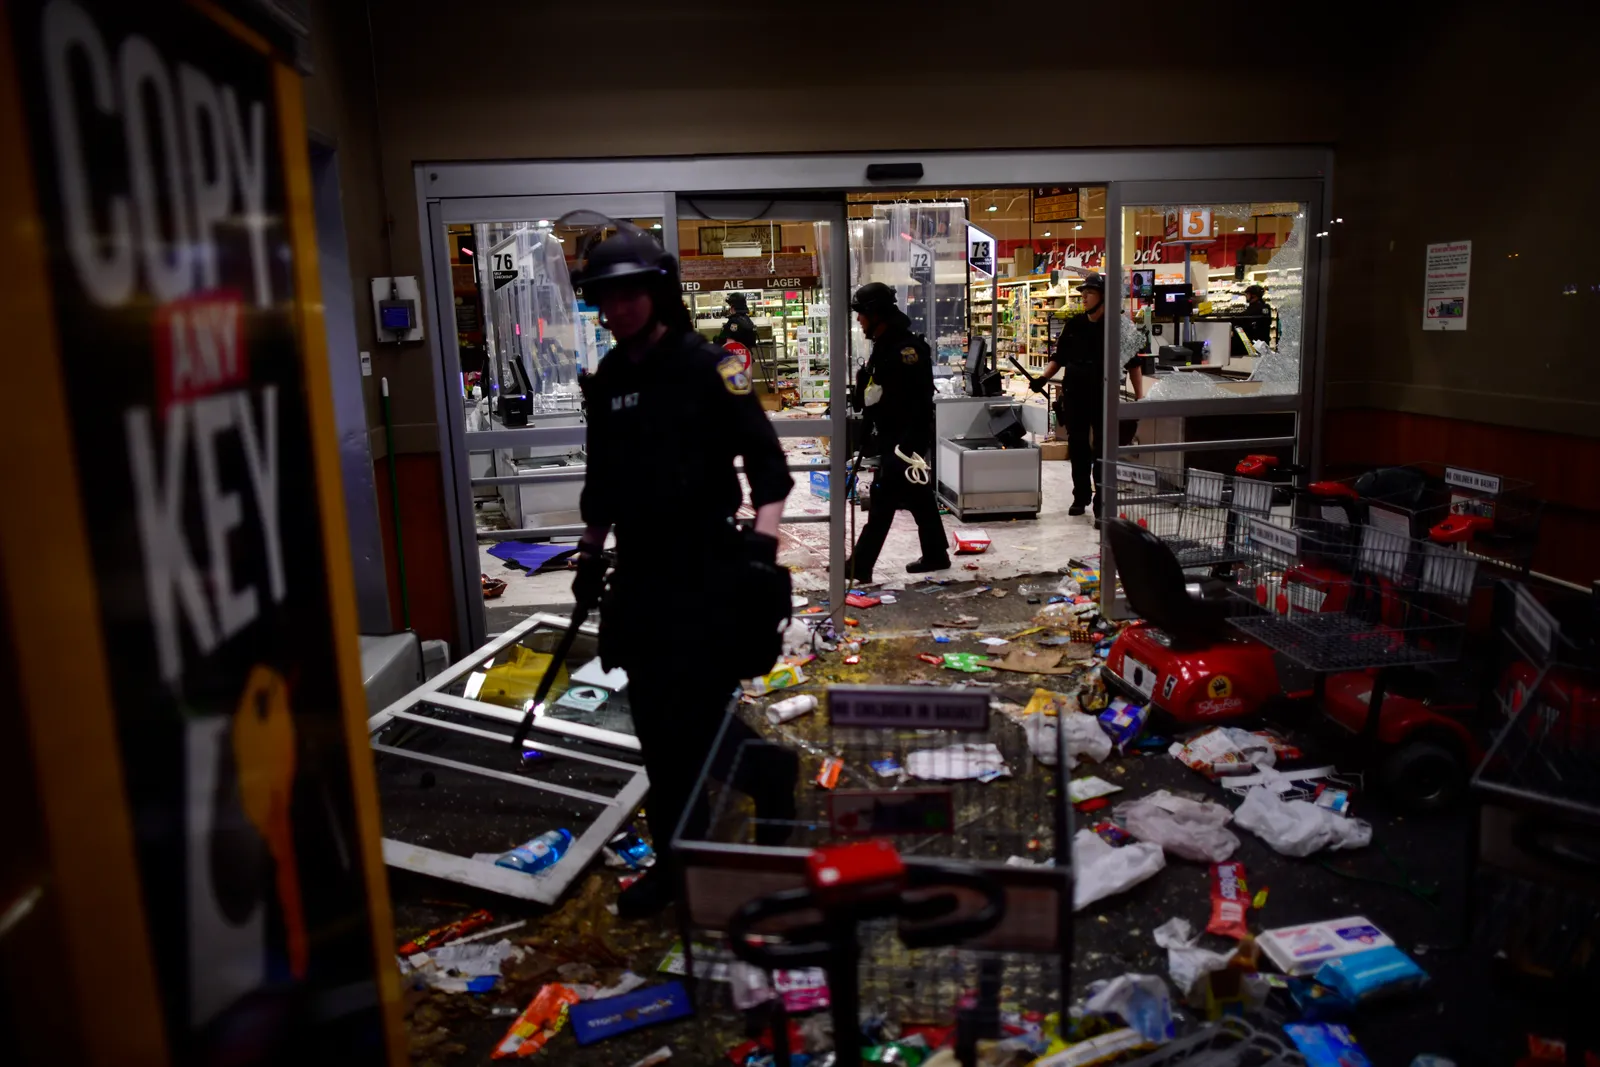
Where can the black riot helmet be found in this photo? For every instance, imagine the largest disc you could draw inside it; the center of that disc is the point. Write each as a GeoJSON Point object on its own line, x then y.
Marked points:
{"type": "Point", "coordinates": [1255, 292]}
{"type": "Point", "coordinates": [736, 302]}
{"type": "Point", "coordinates": [874, 298]}
{"type": "Point", "coordinates": [614, 252]}
{"type": "Point", "coordinates": [1095, 282]}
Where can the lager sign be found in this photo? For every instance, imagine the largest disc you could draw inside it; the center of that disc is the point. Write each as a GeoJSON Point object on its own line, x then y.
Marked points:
{"type": "Point", "coordinates": [180, 336]}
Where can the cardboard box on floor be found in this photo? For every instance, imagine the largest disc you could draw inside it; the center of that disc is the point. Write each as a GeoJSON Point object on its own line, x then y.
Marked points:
{"type": "Point", "coordinates": [1053, 450]}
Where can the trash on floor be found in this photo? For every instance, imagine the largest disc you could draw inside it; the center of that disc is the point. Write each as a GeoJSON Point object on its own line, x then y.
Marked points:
{"type": "Point", "coordinates": [956, 762]}
{"type": "Point", "coordinates": [628, 849]}
{"type": "Point", "coordinates": [1192, 829]}
{"type": "Point", "coordinates": [1300, 950]}
{"type": "Point", "coordinates": [1327, 1045]}
{"type": "Point", "coordinates": [1230, 902]}
{"type": "Point", "coordinates": [970, 540]}
{"type": "Point", "coordinates": [450, 931]}
{"type": "Point", "coordinates": [463, 968]}
{"type": "Point", "coordinates": [1140, 1000]}
{"type": "Point", "coordinates": [969, 662]}
{"type": "Point", "coordinates": [1228, 750]}
{"type": "Point", "coordinates": [791, 708]}
{"type": "Point", "coordinates": [1085, 738]}
{"type": "Point", "coordinates": [1090, 788]}
{"type": "Point", "coordinates": [960, 622]}
{"type": "Point", "coordinates": [1298, 827]}
{"type": "Point", "coordinates": [1186, 962]}
{"type": "Point", "coordinates": [1027, 661]}
{"type": "Point", "coordinates": [596, 1020]}
{"type": "Point", "coordinates": [1124, 722]}
{"type": "Point", "coordinates": [541, 1020]}
{"type": "Point", "coordinates": [784, 677]}
{"type": "Point", "coordinates": [861, 600]}
{"type": "Point", "coordinates": [1377, 972]}
{"type": "Point", "coordinates": [1101, 870]}
{"type": "Point", "coordinates": [654, 1059]}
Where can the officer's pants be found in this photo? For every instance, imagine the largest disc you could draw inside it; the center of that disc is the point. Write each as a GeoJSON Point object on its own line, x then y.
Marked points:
{"type": "Point", "coordinates": [890, 493]}
{"type": "Point", "coordinates": [1083, 450]}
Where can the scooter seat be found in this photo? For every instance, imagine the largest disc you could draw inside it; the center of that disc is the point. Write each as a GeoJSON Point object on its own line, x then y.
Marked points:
{"type": "Point", "coordinates": [1157, 589]}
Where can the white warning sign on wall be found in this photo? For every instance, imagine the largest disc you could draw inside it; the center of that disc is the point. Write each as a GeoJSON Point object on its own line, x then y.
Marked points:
{"type": "Point", "coordinates": [1444, 285]}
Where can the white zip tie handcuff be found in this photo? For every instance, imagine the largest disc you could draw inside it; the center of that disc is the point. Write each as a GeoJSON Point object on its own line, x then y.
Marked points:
{"type": "Point", "coordinates": [916, 467]}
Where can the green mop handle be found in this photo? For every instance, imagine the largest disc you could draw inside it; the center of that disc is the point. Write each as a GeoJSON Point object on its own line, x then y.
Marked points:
{"type": "Point", "coordinates": [394, 508]}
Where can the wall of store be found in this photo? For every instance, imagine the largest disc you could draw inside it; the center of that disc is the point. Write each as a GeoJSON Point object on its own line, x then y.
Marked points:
{"type": "Point", "coordinates": [1432, 144]}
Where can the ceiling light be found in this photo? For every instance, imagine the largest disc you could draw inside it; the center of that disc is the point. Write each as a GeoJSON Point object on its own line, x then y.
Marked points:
{"type": "Point", "coordinates": [1047, 233]}
{"type": "Point", "coordinates": [466, 251]}
{"type": "Point", "coordinates": [657, 226]}
{"type": "Point", "coordinates": [1136, 233]}
{"type": "Point", "coordinates": [1238, 229]}
{"type": "Point", "coordinates": [544, 222]}
{"type": "Point", "coordinates": [1324, 233]}
{"type": "Point", "coordinates": [1078, 227]}
{"type": "Point", "coordinates": [1338, 220]}
{"type": "Point", "coordinates": [992, 207]}
{"type": "Point", "coordinates": [1301, 215]}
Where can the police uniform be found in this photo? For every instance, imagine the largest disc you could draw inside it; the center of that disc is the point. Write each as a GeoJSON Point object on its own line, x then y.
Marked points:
{"type": "Point", "coordinates": [740, 328]}
{"type": "Point", "coordinates": [663, 433]}
{"type": "Point", "coordinates": [1081, 353]}
{"type": "Point", "coordinates": [902, 364]}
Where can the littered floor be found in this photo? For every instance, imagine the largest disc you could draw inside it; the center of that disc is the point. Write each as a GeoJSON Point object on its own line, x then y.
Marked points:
{"type": "Point", "coordinates": [1457, 1015]}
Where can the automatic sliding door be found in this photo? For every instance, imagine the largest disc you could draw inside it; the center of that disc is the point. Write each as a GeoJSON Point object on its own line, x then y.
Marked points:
{"type": "Point", "coordinates": [783, 263]}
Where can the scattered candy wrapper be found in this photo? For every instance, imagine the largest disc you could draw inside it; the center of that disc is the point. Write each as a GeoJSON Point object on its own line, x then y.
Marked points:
{"type": "Point", "coordinates": [851, 661]}
{"type": "Point", "coordinates": [968, 662]}
{"type": "Point", "coordinates": [956, 762]}
{"type": "Point", "coordinates": [928, 657]}
{"type": "Point", "coordinates": [888, 767]}
{"type": "Point", "coordinates": [784, 677]}
{"type": "Point", "coordinates": [596, 1020]}
{"type": "Point", "coordinates": [860, 600]}
{"type": "Point", "coordinates": [802, 989]}
{"type": "Point", "coordinates": [1229, 901]}
{"type": "Point", "coordinates": [1123, 722]}
{"type": "Point", "coordinates": [1260, 899]}
{"type": "Point", "coordinates": [541, 1020]}
{"type": "Point", "coordinates": [1090, 788]}
{"type": "Point", "coordinates": [439, 935]}
{"type": "Point", "coordinates": [1111, 833]}
{"type": "Point", "coordinates": [828, 775]}
{"type": "Point", "coordinates": [994, 642]}
{"type": "Point", "coordinates": [1363, 976]}
{"type": "Point", "coordinates": [1103, 1049]}
{"type": "Point", "coordinates": [710, 963]}
{"type": "Point", "coordinates": [1327, 1045]}
{"type": "Point", "coordinates": [629, 850]}
{"type": "Point", "coordinates": [655, 1059]}
{"type": "Point", "coordinates": [1335, 800]}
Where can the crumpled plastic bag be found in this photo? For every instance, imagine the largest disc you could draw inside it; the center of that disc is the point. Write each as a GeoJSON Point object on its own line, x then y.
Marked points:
{"type": "Point", "coordinates": [1187, 828]}
{"type": "Point", "coordinates": [1298, 827]}
{"type": "Point", "coordinates": [1140, 1000]}
{"type": "Point", "coordinates": [1186, 963]}
{"type": "Point", "coordinates": [956, 762]}
{"type": "Point", "coordinates": [1084, 737]}
{"type": "Point", "coordinates": [1102, 870]}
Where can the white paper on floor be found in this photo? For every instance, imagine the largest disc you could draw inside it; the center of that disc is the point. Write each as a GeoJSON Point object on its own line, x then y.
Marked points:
{"type": "Point", "coordinates": [1192, 829]}
{"type": "Point", "coordinates": [1085, 737]}
{"type": "Point", "coordinates": [1185, 962]}
{"type": "Point", "coordinates": [956, 762]}
{"type": "Point", "coordinates": [1102, 870]}
{"type": "Point", "coordinates": [1298, 827]}
{"type": "Point", "coordinates": [1140, 1000]}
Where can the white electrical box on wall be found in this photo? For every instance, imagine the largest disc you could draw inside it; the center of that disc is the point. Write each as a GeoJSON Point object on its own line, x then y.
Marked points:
{"type": "Point", "coordinates": [397, 309]}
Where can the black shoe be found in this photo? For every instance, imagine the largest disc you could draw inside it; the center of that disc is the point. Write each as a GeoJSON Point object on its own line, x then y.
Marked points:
{"type": "Point", "coordinates": [774, 795]}
{"type": "Point", "coordinates": [656, 889]}
{"type": "Point", "coordinates": [1077, 509]}
{"type": "Point", "coordinates": [918, 566]}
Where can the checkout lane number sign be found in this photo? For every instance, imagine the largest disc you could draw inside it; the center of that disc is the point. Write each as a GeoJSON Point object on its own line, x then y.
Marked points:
{"type": "Point", "coordinates": [980, 251]}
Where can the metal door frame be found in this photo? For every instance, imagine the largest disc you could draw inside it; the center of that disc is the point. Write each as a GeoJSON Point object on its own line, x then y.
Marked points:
{"type": "Point", "coordinates": [1305, 404]}
{"type": "Point", "coordinates": [456, 443]}
{"type": "Point", "coordinates": [692, 206]}
{"type": "Point", "coordinates": [456, 190]}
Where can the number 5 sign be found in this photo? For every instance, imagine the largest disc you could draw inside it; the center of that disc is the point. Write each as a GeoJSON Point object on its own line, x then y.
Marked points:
{"type": "Point", "coordinates": [1194, 223]}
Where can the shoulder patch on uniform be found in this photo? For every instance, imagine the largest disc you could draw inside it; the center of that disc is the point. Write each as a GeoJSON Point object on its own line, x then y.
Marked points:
{"type": "Point", "coordinates": [908, 354]}
{"type": "Point", "coordinates": [734, 378]}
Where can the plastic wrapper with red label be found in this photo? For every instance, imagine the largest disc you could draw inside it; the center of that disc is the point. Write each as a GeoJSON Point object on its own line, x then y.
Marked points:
{"type": "Point", "coordinates": [970, 540]}
{"type": "Point", "coordinates": [541, 1020]}
{"type": "Point", "coordinates": [448, 932]}
{"type": "Point", "coordinates": [1230, 901]}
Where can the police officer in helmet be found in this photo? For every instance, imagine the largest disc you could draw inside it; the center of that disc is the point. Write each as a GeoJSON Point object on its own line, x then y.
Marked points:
{"type": "Point", "coordinates": [1081, 354]}
{"type": "Point", "coordinates": [668, 413]}
{"type": "Point", "coordinates": [738, 326]}
{"type": "Point", "coordinates": [895, 389]}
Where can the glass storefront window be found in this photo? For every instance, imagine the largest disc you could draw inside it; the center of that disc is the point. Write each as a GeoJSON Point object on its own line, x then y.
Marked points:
{"type": "Point", "coordinates": [1214, 297]}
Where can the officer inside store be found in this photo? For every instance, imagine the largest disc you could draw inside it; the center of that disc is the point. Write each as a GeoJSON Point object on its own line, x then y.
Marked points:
{"type": "Point", "coordinates": [668, 413]}
{"type": "Point", "coordinates": [1081, 355]}
{"type": "Point", "coordinates": [1257, 318]}
{"type": "Point", "coordinates": [738, 326]}
{"type": "Point", "coordinates": [895, 390]}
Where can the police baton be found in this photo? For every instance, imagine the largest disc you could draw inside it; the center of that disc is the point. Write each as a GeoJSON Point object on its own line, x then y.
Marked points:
{"type": "Point", "coordinates": [1024, 370]}
{"type": "Point", "coordinates": [579, 614]}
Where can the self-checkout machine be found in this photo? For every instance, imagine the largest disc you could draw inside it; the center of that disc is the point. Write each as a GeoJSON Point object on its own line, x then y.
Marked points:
{"type": "Point", "coordinates": [984, 464]}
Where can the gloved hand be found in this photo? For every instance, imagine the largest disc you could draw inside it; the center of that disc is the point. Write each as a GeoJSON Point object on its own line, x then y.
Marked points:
{"type": "Point", "coordinates": [1037, 385]}
{"type": "Point", "coordinates": [590, 582]}
{"type": "Point", "coordinates": [759, 548]}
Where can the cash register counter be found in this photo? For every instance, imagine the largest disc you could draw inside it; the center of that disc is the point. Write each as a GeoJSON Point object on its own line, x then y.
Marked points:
{"type": "Point", "coordinates": [976, 475]}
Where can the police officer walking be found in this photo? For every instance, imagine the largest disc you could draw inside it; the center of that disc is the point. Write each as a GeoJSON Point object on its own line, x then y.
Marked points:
{"type": "Point", "coordinates": [668, 413]}
{"type": "Point", "coordinates": [895, 389]}
{"type": "Point", "coordinates": [1081, 352]}
{"type": "Point", "coordinates": [738, 326]}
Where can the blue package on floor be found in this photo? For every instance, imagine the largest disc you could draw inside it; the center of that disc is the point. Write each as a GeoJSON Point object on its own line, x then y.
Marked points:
{"type": "Point", "coordinates": [1327, 1045]}
{"type": "Point", "coordinates": [596, 1020]}
{"type": "Point", "coordinates": [1361, 976]}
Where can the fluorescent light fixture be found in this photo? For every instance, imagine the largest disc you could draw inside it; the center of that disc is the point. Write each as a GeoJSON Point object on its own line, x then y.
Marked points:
{"type": "Point", "coordinates": [657, 226]}
{"type": "Point", "coordinates": [1238, 229]}
{"type": "Point", "coordinates": [992, 207]}
{"type": "Point", "coordinates": [1078, 227]}
{"type": "Point", "coordinates": [1136, 233]}
{"type": "Point", "coordinates": [466, 251]}
{"type": "Point", "coordinates": [544, 222]}
{"type": "Point", "coordinates": [1045, 234]}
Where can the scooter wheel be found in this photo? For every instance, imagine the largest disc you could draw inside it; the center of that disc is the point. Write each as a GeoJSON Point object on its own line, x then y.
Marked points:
{"type": "Point", "coordinates": [1423, 776]}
